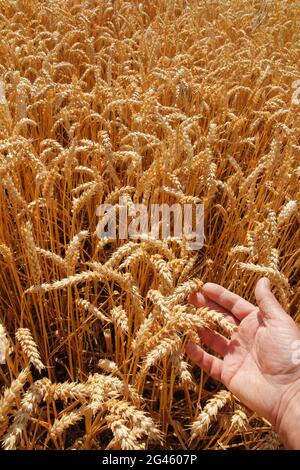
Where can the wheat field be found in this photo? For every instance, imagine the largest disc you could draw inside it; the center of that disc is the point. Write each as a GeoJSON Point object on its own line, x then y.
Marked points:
{"type": "Point", "coordinates": [157, 101]}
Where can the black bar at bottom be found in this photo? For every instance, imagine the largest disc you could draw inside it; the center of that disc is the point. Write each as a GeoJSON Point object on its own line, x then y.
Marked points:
{"type": "Point", "coordinates": [139, 459]}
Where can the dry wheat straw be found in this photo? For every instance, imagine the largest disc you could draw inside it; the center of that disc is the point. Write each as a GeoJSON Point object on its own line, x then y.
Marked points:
{"type": "Point", "coordinates": [100, 104]}
{"type": "Point", "coordinates": [60, 425]}
{"type": "Point", "coordinates": [88, 307]}
{"type": "Point", "coordinates": [4, 344]}
{"type": "Point", "coordinates": [286, 212]}
{"type": "Point", "coordinates": [29, 406]}
{"type": "Point", "coordinates": [36, 271]}
{"type": "Point", "coordinates": [29, 347]}
{"type": "Point", "coordinates": [119, 315]}
{"type": "Point", "coordinates": [6, 252]}
{"type": "Point", "coordinates": [10, 396]}
{"type": "Point", "coordinates": [85, 276]}
{"type": "Point", "coordinates": [239, 421]}
{"type": "Point", "coordinates": [209, 414]}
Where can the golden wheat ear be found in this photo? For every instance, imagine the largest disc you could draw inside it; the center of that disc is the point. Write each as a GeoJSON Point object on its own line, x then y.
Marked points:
{"type": "Point", "coordinates": [166, 104]}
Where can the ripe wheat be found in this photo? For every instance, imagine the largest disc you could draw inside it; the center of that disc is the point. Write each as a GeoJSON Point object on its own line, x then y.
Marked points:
{"type": "Point", "coordinates": [160, 101]}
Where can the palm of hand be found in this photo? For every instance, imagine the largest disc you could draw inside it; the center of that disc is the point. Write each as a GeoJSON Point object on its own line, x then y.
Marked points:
{"type": "Point", "coordinates": [257, 365]}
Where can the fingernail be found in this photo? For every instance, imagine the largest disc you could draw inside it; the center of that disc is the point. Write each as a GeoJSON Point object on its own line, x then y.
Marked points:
{"type": "Point", "coordinates": [267, 283]}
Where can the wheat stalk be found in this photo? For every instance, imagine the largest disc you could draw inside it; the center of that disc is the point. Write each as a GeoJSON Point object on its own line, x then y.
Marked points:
{"type": "Point", "coordinates": [139, 102]}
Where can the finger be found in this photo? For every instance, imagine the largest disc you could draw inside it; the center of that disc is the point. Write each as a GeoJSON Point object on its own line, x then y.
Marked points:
{"type": "Point", "coordinates": [199, 300]}
{"type": "Point", "coordinates": [267, 302]}
{"type": "Point", "coordinates": [210, 364]}
{"type": "Point", "coordinates": [235, 304]}
{"type": "Point", "coordinates": [218, 343]}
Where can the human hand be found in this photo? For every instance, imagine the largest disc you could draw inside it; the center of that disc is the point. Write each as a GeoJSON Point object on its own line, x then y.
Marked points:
{"type": "Point", "coordinates": [257, 366]}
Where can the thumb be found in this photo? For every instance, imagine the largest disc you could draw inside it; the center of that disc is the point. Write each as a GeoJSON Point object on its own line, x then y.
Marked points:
{"type": "Point", "coordinates": [267, 302]}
